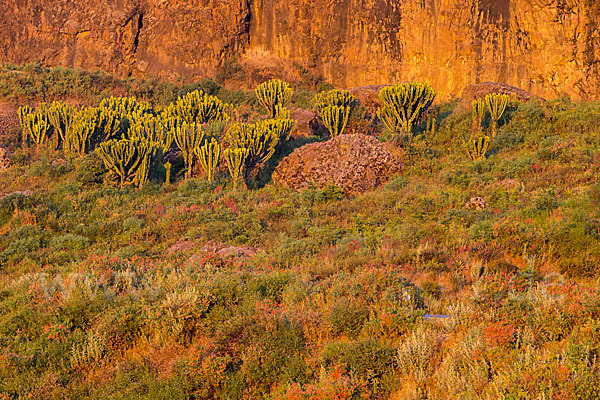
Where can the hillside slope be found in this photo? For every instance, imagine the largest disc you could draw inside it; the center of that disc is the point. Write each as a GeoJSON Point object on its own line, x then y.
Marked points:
{"type": "Point", "coordinates": [457, 279]}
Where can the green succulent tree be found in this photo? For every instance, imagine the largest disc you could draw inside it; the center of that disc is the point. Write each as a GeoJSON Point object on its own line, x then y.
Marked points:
{"type": "Point", "coordinates": [273, 94]}
{"type": "Point", "coordinates": [188, 138]}
{"type": "Point", "coordinates": [235, 158]}
{"type": "Point", "coordinates": [108, 125]}
{"type": "Point", "coordinates": [126, 105]}
{"type": "Point", "coordinates": [24, 120]}
{"type": "Point", "coordinates": [80, 131]}
{"type": "Point", "coordinates": [431, 121]}
{"type": "Point", "coordinates": [153, 129]}
{"type": "Point", "coordinates": [403, 105]}
{"type": "Point", "coordinates": [146, 152]}
{"type": "Point", "coordinates": [168, 170]}
{"type": "Point", "coordinates": [496, 104]}
{"type": "Point", "coordinates": [116, 116]}
{"type": "Point", "coordinates": [335, 119]}
{"type": "Point", "coordinates": [333, 97]}
{"type": "Point", "coordinates": [196, 107]}
{"type": "Point", "coordinates": [477, 115]}
{"type": "Point", "coordinates": [35, 124]}
{"type": "Point", "coordinates": [334, 108]}
{"type": "Point", "coordinates": [128, 159]}
{"type": "Point", "coordinates": [257, 138]}
{"type": "Point", "coordinates": [478, 146]}
{"type": "Point", "coordinates": [61, 117]}
{"type": "Point", "coordinates": [281, 112]}
{"type": "Point", "coordinates": [209, 155]}
{"type": "Point", "coordinates": [282, 128]}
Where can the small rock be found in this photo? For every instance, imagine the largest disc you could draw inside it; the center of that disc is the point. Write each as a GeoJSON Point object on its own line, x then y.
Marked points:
{"type": "Point", "coordinates": [25, 193]}
{"type": "Point", "coordinates": [213, 246]}
{"type": "Point", "coordinates": [476, 203]}
{"type": "Point", "coordinates": [238, 251]}
{"type": "Point", "coordinates": [180, 247]}
{"type": "Point", "coordinates": [221, 249]}
{"type": "Point", "coordinates": [4, 158]}
{"type": "Point", "coordinates": [508, 184]}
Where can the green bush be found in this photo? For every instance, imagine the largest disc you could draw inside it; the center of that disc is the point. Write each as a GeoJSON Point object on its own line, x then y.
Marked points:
{"type": "Point", "coordinates": [69, 242]}
{"type": "Point", "coordinates": [546, 200]}
{"type": "Point", "coordinates": [332, 192]}
{"type": "Point", "coordinates": [432, 289]}
{"type": "Point", "coordinates": [346, 318]}
{"type": "Point", "coordinates": [90, 171]}
{"type": "Point", "coordinates": [482, 230]}
{"type": "Point", "coordinates": [10, 203]}
{"type": "Point", "coordinates": [367, 358]}
{"type": "Point", "coordinates": [272, 286]}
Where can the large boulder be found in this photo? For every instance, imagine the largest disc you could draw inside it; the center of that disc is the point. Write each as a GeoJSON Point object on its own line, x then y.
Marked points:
{"type": "Point", "coordinates": [355, 162]}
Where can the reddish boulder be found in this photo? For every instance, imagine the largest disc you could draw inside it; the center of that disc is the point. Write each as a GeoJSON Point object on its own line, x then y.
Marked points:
{"type": "Point", "coordinates": [305, 121]}
{"type": "Point", "coordinates": [355, 162]}
{"type": "Point", "coordinates": [221, 249]}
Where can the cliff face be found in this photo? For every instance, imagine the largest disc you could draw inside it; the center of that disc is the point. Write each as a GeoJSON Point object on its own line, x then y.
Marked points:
{"type": "Point", "coordinates": [546, 46]}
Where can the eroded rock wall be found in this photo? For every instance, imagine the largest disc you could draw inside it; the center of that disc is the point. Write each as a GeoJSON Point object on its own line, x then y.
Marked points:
{"type": "Point", "coordinates": [548, 47]}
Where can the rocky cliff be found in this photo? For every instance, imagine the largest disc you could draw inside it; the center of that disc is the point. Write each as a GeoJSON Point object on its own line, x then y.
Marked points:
{"type": "Point", "coordinates": [548, 47]}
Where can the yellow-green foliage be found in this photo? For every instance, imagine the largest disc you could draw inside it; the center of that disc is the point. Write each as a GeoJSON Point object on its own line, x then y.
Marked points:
{"type": "Point", "coordinates": [61, 117]}
{"type": "Point", "coordinates": [281, 112]}
{"type": "Point", "coordinates": [153, 129]}
{"type": "Point", "coordinates": [168, 169]}
{"type": "Point", "coordinates": [477, 115]}
{"type": "Point", "coordinates": [108, 125]}
{"type": "Point", "coordinates": [117, 114]}
{"type": "Point", "coordinates": [196, 107]}
{"type": "Point", "coordinates": [335, 119]}
{"type": "Point", "coordinates": [235, 158]}
{"type": "Point", "coordinates": [478, 146]}
{"type": "Point", "coordinates": [334, 108]}
{"type": "Point", "coordinates": [24, 119]}
{"type": "Point", "coordinates": [431, 121]}
{"type": "Point", "coordinates": [273, 93]}
{"type": "Point", "coordinates": [88, 353]}
{"type": "Point", "coordinates": [496, 104]}
{"type": "Point", "coordinates": [128, 159]}
{"type": "Point", "coordinates": [281, 127]}
{"type": "Point", "coordinates": [188, 138]}
{"type": "Point", "coordinates": [258, 139]}
{"type": "Point", "coordinates": [209, 155]}
{"type": "Point", "coordinates": [146, 152]}
{"type": "Point", "coordinates": [80, 131]}
{"type": "Point", "coordinates": [332, 97]}
{"type": "Point", "coordinates": [403, 105]}
{"type": "Point", "coordinates": [126, 107]}
{"type": "Point", "coordinates": [35, 124]}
